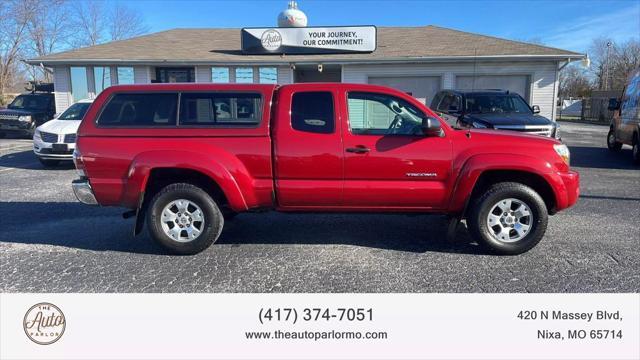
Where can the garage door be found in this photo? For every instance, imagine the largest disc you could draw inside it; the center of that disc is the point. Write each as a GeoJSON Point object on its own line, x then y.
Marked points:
{"type": "Point", "coordinates": [421, 87]}
{"type": "Point", "coordinates": [514, 83]}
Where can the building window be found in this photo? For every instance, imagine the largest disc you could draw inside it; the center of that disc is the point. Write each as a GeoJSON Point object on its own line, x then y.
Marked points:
{"type": "Point", "coordinates": [79, 86]}
{"type": "Point", "coordinates": [125, 75]}
{"type": "Point", "coordinates": [244, 75]}
{"type": "Point", "coordinates": [312, 112]}
{"type": "Point", "coordinates": [175, 75]}
{"type": "Point", "coordinates": [102, 78]}
{"type": "Point", "coordinates": [268, 75]}
{"type": "Point", "coordinates": [219, 109]}
{"type": "Point", "coordinates": [140, 110]}
{"type": "Point", "coordinates": [220, 75]}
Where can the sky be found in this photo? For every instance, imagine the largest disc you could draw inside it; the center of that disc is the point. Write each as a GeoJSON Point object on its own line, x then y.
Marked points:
{"type": "Point", "coordinates": [566, 24]}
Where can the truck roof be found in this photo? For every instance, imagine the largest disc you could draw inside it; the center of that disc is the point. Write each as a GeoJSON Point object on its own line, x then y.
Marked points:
{"type": "Point", "coordinates": [191, 86]}
{"type": "Point", "coordinates": [480, 91]}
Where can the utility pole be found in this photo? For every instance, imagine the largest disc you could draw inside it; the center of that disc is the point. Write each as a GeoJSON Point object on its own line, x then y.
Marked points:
{"type": "Point", "coordinates": [606, 72]}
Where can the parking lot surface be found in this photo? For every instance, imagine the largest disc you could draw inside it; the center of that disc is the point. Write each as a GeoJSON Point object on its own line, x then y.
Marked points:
{"type": "Point", "coordinates": [51, 243]}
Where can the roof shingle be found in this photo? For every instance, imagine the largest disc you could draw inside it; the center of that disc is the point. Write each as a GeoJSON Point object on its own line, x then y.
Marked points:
{"type": "Point", "coordinates": [223, 46]}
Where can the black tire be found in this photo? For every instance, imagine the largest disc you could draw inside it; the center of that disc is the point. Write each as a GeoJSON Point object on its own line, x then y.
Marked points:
{"type": "Point", "coordinates": [482, 205]}
{"type": "Point", "coordinates": [635, 152]}
{"type": "Point", "coordinates": [48, 162]}
{"type": "Point", "coordinates": [213, 219]}
{"type": "Point", "coordinates": [612, 142]}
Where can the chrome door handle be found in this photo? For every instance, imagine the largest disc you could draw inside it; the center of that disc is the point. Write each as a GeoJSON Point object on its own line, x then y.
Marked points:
{"type": "Point", "coordinates": [358, 150]}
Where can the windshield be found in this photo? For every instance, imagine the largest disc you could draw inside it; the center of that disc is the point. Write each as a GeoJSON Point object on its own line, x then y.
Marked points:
{"type": "Point", "coordinates": [75, 112]}
{"type": "Point", "coordinates": [30, 102]}
{"type": "Point", "coordinates": [496, 103]}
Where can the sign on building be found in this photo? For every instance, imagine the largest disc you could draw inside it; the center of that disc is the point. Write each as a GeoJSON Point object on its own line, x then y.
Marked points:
{"type": "Point", "coordinates": [309, 40]}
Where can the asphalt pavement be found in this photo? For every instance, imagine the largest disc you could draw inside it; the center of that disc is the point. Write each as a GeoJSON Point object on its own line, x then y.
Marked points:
{"type": "Point", "coordinates": [51, 243]}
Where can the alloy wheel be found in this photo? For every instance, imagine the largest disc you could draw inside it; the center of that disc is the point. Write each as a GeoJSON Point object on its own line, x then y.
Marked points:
{"type": "Point", "coordinates": [182, 220]}
{"type": "Point", "coordinates": [509, 220]}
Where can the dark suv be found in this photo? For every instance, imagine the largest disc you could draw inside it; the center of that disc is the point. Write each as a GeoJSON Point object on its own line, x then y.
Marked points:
{"type": "Point", "coordinates": [492, 109]}
{"type": "Point", "coordinates": [26, 112]}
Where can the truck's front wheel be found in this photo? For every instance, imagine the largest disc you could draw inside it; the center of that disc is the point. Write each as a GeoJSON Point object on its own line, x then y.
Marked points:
{"type": "Point", "coordinates": [509, 218]}
{"type": "Point", "coordinates": [184, 219]}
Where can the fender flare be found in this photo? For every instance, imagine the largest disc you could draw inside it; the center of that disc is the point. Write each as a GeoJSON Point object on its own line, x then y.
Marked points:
{"type": "Point", "coordinates": [227, 172]}
{"type": "Point", "coordinates": [476, 165]}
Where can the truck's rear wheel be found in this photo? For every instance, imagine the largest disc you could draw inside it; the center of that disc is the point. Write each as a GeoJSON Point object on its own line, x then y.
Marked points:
{"type": "Point", "coordinates": [184, 219]}
{"type": "Point", "coordinates": [612, 142]}
{"type": "Point", "coordinates": [508, 219]}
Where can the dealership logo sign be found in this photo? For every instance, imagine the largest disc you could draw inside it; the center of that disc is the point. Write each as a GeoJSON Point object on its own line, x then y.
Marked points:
{"type": "Point", "coordinates": [44, 323]}
{"type": "Point", "coordinates": [271, 40]}
{"type": "Point", "coordinates": [309, 40]}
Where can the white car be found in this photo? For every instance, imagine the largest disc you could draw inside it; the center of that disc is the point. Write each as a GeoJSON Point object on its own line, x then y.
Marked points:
{"type": "Point", "coordinates": [55, 140]}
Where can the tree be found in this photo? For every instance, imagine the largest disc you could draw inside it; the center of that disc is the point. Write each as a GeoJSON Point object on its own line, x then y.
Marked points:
{"type": "Point", "coordinates": [125, 23]}
{"type": "Point", "coordinates": [15, 15]}
{"type": "Point", "coordinates": [47, 32]}
{"type": "Point", "coordinates": [89, 23]}
{"type": "Point", "coordinates": [36, 28]}
{"type": "Point", "coordinates": [574, 82]}
{"type": "Point", "coordinates": [613, 62]}
{"type": "Point", "coordinates": [627, 59]}
{"type": "Point", "coordinates": [95, 23]}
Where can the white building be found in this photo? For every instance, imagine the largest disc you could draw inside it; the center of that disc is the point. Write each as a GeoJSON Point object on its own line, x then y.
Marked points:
{"type": "Point", "coordinates": [418, 60]}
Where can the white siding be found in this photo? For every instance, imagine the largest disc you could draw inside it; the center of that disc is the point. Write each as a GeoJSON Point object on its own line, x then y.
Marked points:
{"type": "Point", "coordinates": [62, 87]}
{"type": "Point", "coordinates": [203, 74]}
{"type": "Point", "coordinates": [542, 74]}
{"type": "Point", "coordinates": [142, 74]}
{"type": "Point", "coordinates": [285, 75]}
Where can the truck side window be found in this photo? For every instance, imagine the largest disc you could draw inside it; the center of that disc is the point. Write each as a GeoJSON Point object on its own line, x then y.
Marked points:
{"type": "Point", "coordinates": [444, 104]}
{"type": "Point", "coordinates": [140, 109]}
{"type": "Point", "coordinates": [436, 101]}
{"type": "Point", "coordinates": [312, 112]}
{"type": "Point", "coordinates": [630, 108]}
{"type": "Point", "coordinates": [219, 109]}
{"type": "Point", "coordinates": [381, 114]}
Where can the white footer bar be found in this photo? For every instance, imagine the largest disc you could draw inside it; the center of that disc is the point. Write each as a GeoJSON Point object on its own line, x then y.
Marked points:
{"type": "Point", "coordinates": [320, 326]}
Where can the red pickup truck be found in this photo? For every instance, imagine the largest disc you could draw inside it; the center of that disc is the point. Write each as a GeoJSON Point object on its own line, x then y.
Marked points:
{"type": "Point", "coordinates": [185, 157]}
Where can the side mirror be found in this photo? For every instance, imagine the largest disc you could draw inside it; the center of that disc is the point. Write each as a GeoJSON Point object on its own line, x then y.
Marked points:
{"type": "Point", "coordinates": [535, 109]}
{"type": "Point", "coordinates": [614, 104]}
{"type": "Point", "coordinates": [431, 127]}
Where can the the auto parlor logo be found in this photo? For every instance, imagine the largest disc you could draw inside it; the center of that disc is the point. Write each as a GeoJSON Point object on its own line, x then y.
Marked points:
{"type": "Point", "coordinates": [271, 40]}
{"type": "Point", "coordinates": [44, 323]}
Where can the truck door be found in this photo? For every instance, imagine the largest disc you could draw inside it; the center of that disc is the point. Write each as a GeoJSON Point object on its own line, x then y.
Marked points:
{"type": "Point", "coordinates": [389, 163]}
{"type": "Point", "coordinates": [308, 148]}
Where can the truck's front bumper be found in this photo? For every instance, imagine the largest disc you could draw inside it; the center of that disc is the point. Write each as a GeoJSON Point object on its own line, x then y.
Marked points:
{"type": "Point", "coordinates": [19, 128]}
{"type": "Point", "coordinates": [83, 192]}
{"type": "Point", "coordinates": [570, 189]}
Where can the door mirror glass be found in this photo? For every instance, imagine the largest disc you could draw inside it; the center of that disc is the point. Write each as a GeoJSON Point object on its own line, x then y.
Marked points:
{"type": "Point", "coordinates": [614, 104]}
{"type": "Point", "coordinates": [535, 109]}
{"type": "Point", "coordinates": [431, 127]}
